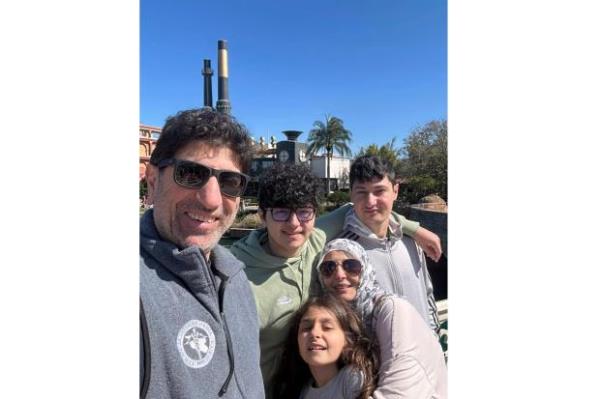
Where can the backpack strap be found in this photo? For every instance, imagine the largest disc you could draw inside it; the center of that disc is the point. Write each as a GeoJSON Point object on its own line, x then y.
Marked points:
{"type": "Point", "coordinates": [144, 353]}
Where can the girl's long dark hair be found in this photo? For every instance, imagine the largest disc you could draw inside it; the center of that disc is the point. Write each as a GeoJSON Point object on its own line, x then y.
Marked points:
{"type": "Point", "coordinates": [360, 351]}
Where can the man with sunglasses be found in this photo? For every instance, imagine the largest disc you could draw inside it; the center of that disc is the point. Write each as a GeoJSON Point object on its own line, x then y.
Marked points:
{"type": "Point", "coordinates": [199, 326]}
{"type": "Point", "coordinates": [399, 262]}
{"type": "Point", "coordinates": [279, 258]}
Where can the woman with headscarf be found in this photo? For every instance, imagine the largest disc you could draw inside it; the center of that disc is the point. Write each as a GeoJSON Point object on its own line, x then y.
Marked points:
{"type": "Point", "coordinates": [411, 359]}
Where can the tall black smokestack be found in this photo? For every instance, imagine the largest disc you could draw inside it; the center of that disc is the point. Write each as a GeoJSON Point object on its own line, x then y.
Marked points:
{"type": "Point", "coordinates": [223, 104]}
{"type": "Point", "coordinates": [207, 73]}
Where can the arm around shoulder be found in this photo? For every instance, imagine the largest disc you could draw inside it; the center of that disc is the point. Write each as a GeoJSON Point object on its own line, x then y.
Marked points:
{"type": "Point", "coordinates": [332, 223]}
{"type": "Point", "coordinates": [428, 240]}
{"type": "Point", "coordinates": [409, 227]}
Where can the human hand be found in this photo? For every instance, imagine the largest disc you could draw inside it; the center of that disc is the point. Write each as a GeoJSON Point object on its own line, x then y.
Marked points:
{"type": "Point", "coordinates": [430, 243]}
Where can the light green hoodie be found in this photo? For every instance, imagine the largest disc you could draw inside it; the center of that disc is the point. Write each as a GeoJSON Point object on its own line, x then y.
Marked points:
{"type": "Point", "coordinates": [281, 285]}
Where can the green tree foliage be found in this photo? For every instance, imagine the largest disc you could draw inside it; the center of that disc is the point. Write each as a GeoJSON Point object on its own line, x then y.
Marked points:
{"type": "Point", "coordinates": [388, 152]}
{"type": "Point", "coordinates": [415, 188]}
{"type": "Point", "coordinates": [425, 162]}
{"type": "Point", "coordinates": [330, 136]}
{"type": "Point", "coordinates": [338, 198]}
{"type": "Point", "coordinates": [422, 162]}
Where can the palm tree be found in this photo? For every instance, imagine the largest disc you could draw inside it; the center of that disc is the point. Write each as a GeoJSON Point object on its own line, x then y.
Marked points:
{"type": "Point", "coordinates": [330, 136]}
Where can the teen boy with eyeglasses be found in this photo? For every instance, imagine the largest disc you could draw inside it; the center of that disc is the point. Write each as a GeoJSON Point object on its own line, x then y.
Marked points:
{"type": "Point", "coordinates": [199, 326]}
{"type": "Point", "coordinates": [279, 258]}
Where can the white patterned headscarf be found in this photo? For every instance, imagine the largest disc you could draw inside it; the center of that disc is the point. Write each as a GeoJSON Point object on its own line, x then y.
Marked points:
{"type": "Point", "coordinates": [368, 290]}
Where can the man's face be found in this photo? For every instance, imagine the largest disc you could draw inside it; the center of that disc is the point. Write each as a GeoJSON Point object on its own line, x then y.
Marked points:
{"type": "Point", "coordinates": [286, 238]}
{"type": "Point", "coordinates": [373, 201]}
{"type": "Point", "coordinates": [188, 216]}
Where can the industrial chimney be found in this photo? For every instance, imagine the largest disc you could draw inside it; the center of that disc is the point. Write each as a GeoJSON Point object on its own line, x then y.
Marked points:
{"type": "Point", "coordinates": [207, 73]}
{"type": "Point", "coordinates": [223, 104]}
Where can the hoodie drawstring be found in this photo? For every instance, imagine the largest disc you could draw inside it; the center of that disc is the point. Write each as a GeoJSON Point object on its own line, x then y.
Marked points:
{"type": "Point", "coordinates": [227, 336]}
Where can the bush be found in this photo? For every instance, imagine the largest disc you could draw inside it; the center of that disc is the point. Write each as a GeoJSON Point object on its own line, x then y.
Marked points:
{"type": "Point", "coordinates": [339, 198]}
{"type": "Point", "coordinates": [143, 188]}
{"type": "Point", "coordinates": [247, 220]}
{"type": "Point", "coordinates": [416, 188]}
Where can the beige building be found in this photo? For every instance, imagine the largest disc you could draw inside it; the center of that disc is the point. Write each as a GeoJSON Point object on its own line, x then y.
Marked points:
{"type": "Point", "coordinates": [340, 169]}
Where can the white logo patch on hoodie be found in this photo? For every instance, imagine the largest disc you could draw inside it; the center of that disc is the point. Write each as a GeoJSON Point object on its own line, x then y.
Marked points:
{"type": "Point", "coordinates": [284, 300]}
{"type": "Point", "coordinates": [196, 344]}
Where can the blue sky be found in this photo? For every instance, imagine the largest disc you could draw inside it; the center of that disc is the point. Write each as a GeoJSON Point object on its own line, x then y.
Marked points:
{"type": "Point", "coordinates": [380, 66]}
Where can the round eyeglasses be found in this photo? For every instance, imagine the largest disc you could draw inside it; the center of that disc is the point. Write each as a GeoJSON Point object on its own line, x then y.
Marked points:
{"type": "Point", "coordinates": [283, 214]}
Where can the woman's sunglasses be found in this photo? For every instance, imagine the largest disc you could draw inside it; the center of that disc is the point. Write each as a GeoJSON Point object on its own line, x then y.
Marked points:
{"type": "Point", "coordinates": [190, 174]}
{"type": "Point", "coordinates": [350, 266]}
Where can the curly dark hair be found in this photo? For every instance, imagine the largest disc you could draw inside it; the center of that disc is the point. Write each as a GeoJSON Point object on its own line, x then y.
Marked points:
{"type": "Point", "coordinates": [288, 186]}
{"type": "Point", "coordinates": [360, 352]}
{"type": "Point", "coordinates": [369, 167]}
{"type": "Point", "coordinates": [205, 124]}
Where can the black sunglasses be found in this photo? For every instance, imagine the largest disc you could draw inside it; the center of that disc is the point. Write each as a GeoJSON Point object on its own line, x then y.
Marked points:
{"type": "Point", "coordinates": [351, 266]}
{"type": "Point", "coordinates": [283, 214]}
{"type": "Point", "coordinates": [190, 174]}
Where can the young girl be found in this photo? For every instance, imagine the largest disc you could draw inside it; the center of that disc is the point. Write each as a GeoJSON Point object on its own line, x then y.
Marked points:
{"type": "Point", "coordinates": [412, 362]}
{"type": "Point", "coordinates": [327, 354]}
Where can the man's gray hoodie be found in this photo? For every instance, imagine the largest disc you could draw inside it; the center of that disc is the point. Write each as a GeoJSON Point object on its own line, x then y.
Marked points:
{"type": "Point", "coordinates": [201, 327]}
